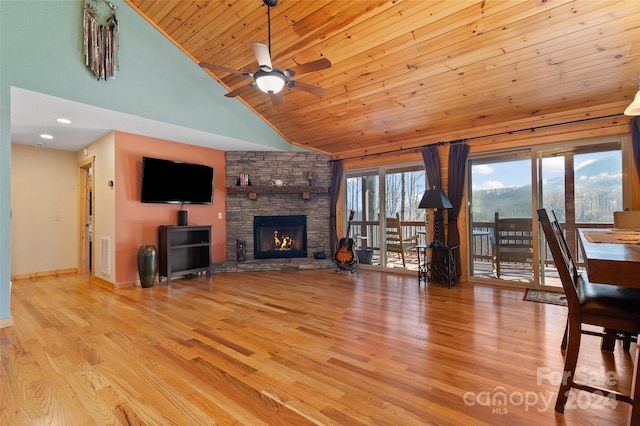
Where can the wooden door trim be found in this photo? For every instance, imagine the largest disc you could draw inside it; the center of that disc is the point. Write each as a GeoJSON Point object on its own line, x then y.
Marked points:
{"type": "Point", "coordinates": [83, 233]}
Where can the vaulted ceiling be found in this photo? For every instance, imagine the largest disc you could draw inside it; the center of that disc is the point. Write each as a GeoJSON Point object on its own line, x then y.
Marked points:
{"type": "Point", "coordinates": [406, 73]}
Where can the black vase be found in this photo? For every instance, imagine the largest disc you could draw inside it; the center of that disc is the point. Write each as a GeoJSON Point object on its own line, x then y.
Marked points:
{"type": "Point", "coordinates": [147, 265]}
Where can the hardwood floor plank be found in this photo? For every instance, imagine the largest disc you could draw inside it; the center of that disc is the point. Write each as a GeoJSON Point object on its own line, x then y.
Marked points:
{"type": "Point", "coordinates": [289, 347]}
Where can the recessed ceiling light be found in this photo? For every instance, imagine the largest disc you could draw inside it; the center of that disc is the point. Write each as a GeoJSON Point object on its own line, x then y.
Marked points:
{"type": "Point", "coordinates": [46, 136]}
{"type": "Point", "coordinates": [63, 120]}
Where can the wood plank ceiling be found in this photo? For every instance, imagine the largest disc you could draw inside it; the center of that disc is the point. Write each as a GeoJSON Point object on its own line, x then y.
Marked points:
{"type": "Point", "coordinates": [407, 73]}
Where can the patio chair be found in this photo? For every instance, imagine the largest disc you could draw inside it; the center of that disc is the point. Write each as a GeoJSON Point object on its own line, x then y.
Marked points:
{"type": "Point", "coordinates": [396, 242]}
{"type": "Point", "coordinates": [512, 243]}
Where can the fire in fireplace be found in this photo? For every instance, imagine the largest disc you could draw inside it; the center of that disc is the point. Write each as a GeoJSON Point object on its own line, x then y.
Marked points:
{"type": "Point", "coordinates": [279, 237]}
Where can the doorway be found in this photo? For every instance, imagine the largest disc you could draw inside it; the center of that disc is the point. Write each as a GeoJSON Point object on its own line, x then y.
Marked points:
{"type": "Point", "coordinates": [387, 192]}
{"type": "Point", "coordinates": [582, 185]}
{"type": "Point", "coordinates": [582, 182]}
{"type": "Point", "coordinates": [501, 226]}
{"type": "Point", "coordinates": [86, 216]}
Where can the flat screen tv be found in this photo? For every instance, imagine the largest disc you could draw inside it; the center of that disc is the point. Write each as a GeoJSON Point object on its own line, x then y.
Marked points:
{"type": "Point", "coordinates": [166, 181]}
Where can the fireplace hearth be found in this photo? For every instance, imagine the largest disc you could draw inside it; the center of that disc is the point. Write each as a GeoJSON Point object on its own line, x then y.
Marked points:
{"type": "Point", "coordinates": [276, 237]}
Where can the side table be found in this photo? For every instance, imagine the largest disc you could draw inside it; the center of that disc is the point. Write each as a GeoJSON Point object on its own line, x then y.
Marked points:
{"type": "Point", "coordinates": [437, 264]}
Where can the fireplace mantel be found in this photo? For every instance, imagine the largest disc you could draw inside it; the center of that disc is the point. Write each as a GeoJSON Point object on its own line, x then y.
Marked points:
{"type": "Point", "coordinates": [264, 198]}
{"type": "Point", "coordinates": [254, 190]}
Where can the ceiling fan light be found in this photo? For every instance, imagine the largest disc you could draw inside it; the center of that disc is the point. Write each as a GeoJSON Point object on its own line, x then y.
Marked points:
{"type": "Point", "coordinates": [270, 82]}
{"type": "Point", "coordinates": [634, 107]}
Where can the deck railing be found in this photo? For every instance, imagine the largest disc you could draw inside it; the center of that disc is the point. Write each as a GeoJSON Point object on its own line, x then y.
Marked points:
{"type": "Point", "coordinates": [483, 234]}
{"type": "Point", "coordinates": [367, 236]}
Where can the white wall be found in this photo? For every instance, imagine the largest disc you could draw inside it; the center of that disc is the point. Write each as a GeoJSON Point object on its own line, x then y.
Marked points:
{"type": "Point", "coordinates": [104, 222]}
{"type": "Point", "coordinates": [44, 223]}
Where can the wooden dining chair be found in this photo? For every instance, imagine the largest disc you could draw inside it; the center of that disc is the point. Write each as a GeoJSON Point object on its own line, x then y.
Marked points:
{"type": "Point", "coordinates": [572, 267]}
{"type": "Point", "coordinates": [627, 219]}
{"type": "Point", "coordinates": [601, 305]}
{"type": "Point", "coordinates": [608, 342]}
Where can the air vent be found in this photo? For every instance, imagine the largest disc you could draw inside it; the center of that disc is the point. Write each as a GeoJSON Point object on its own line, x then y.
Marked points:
{"type": "Point", "coordinates": [105, 255]}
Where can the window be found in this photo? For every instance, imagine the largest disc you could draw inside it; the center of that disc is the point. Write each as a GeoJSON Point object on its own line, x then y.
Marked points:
{"type": "Point", "coordinates": [581, 182]}
{"type": "Point", "coordinates": [501, 194]}
{"type": "Point", "coordinates": [397, 189]}
{"type": "Point", "coordinates": [582, 185]}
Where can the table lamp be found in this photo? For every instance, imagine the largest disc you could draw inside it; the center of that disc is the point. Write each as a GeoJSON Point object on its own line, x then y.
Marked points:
{"type": "Point", "coordinates": [435, 199]}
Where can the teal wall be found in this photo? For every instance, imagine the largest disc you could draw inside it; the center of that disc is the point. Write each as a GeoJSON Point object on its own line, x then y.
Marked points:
{"type": "Point", "coordinates": [41, 50]}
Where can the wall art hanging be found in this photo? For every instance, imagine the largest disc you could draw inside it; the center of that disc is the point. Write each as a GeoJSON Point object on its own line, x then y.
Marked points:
{"type": "Point", "coordinates": [101, 39]}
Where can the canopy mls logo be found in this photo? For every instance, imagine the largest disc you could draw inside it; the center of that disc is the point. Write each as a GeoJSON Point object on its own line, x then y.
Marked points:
{"type": "Point", "coordinates": [499, 400]}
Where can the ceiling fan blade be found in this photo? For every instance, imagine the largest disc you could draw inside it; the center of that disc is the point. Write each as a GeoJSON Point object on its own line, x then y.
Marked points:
{"type": "Point", "coordinates": [277, 98]}
{"type": "Point", "coordinates": [317, 65]}
{"type": "Point", "coordinates": [262, 56]}
{"type": "Point", "coordinates": [242, 90]}
{"type": "Point", "coordinates": [224, 69]}
{"type": "Point", "coordinates": [309, 88]}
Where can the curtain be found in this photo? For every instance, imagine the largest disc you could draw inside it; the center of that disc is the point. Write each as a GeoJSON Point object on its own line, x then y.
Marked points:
{"type": "Point", "coordinates": [336, 181]}
{"type": "Point", "coordinates": [458, 154]}
{"type": "Point", "coordinates": [635, 141]}
{"type": "Point", "coordinates": [431, 160]}
{"type": "Point", "coordinates": [432, 166]}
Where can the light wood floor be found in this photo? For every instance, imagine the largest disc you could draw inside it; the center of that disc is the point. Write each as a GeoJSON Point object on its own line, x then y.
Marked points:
{"type": "Point", "coordinates": [291, 347]}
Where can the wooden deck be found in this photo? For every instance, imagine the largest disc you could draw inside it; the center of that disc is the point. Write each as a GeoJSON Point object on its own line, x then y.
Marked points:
{"type": "Point", "coordinates": [481, 269]}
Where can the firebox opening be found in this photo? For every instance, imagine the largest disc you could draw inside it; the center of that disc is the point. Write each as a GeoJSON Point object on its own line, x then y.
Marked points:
{"type": "Point", "coordinates": [279, 237]}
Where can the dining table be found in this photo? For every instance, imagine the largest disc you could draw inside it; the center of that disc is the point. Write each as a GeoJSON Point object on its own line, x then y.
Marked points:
{"type": "Point", "coordinates": [611, 255]}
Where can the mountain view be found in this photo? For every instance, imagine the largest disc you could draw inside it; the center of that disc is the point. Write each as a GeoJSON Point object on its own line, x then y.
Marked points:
{"type": "Point", "coordinates": [598, 193]}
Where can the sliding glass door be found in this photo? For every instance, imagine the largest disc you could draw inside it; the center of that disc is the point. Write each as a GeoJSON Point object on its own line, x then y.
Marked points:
{"type": "Point", "coordinates": [582, 183]}
{"type": "Point", "coordinates": [363, 198]}
{"type": "Point", "coordinates": [500, 217]}
{"type": "Point", "coordinates": [377, 194]}
{"type": "Point", "coordinates": [582, 186]}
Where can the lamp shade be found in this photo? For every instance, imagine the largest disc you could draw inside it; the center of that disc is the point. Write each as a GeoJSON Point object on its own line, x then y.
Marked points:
{"type": "Point", "coordinates": [435, 199]}
{"type": "Point", "coordinates": [634, 107]}
{"type": "Point", "coordinates": [270, 82]}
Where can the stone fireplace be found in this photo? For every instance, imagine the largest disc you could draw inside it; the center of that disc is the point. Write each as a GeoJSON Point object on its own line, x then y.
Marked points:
{"type": "Point", "coordinates": [276, 237]}
{"type": "Point", "coordinates": [282, 188]}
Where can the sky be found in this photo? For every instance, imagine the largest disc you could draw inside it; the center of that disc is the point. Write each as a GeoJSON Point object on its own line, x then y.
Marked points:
{"type": "Point", "coordinates": [517, 173]}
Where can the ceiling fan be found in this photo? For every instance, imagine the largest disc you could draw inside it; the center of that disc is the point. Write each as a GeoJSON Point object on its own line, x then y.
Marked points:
{"type": "Point", "coordinates": [269, 79]}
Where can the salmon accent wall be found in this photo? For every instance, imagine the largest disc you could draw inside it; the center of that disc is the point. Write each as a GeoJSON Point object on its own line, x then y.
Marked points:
{"type": "Point", "coordinates": [137, 223]}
